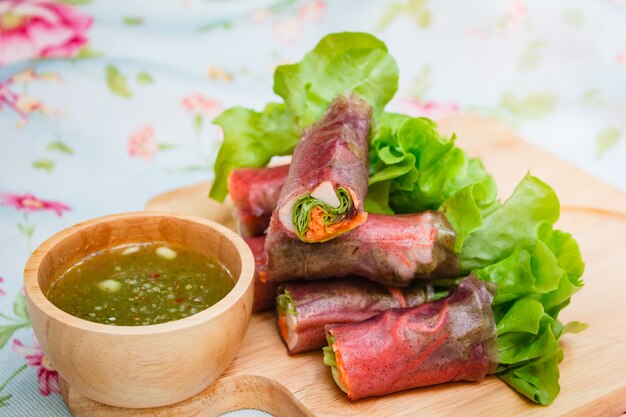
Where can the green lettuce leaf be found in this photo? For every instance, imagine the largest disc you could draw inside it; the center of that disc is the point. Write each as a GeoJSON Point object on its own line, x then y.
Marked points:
{"type": "Point", "coordinates": [251, 139]}
{"type": "Point", "coordinates": [340, 63]}
{"type": "Point", "coordinates": [511, 225]}
{"type": "Point", "coordinates": [423, 170]}
{"type": "Point", "coordinates": [538, 380]}
{"type": "Point", "coordinates": [285, 304]}
{"type": "Point", "coordinates": [537, 269]}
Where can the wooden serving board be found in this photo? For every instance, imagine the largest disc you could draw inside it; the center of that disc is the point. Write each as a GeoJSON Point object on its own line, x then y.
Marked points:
{"type": "Point", "coordinates": [593, 374]}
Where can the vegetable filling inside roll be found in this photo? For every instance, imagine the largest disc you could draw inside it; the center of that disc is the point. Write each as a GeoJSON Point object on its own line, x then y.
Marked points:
{"type": "Point", "coordinates": [287, 319]}
{"type": "Point", "coordinates": [321, 214]}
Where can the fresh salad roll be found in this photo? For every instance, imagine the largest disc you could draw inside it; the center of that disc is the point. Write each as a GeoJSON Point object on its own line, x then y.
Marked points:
{"type": "Point", "coordinates": [451, 339]}
{"type": "Point", "coordinates": [389, 249]}
{"type": "Point", "coordinates": [327, 182]}
{"type": "Point", "coordinates": [254, 192]}
{"type": "Point", "coordinates": [303, 309]}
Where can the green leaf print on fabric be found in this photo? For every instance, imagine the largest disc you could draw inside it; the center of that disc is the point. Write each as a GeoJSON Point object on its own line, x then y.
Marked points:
{"type": "Point", "coordinates": [531, 56]}
{"type": "Point", "coordinates": [533, 106]}
{"type": "Point", "coordinates": [144, 77]}
{"type": "Point", "coordinates": [19, 307]}
{"type": "Point", "coordinates": [4, 399]}
{"type": "Point", "coordinates": [167, 146]}
{"type": "Point", "coordinates": [6, 331]}
{"type": "Point", "coordinates": [198, 122]}
{"type": "Point", "coordinates": [516, 110]}
{"type": "Point", "coordinates": [44, 164]}
{"type": "Point", "coordinates": [87, 52]}
{"type": "Point", "coordinates": [20, 321]}
{"type": "Point", "coordinates": [415, 9]}
{"type": "Point", "coordinates": [132, 21]}
{"type": "Point", "coordinates": [26, 229]}
{"type": "Point", "coordinates": [61, 147]}
{"type": "Point", "coordinates": [592, 96]}
{"type": "Point", "coordinates": [574, 17]}
{"type": "Point", "coordinates": [218, 24]}
{"type": "Point", "coordinates": [606, 140]}
{"type": "Point", "coordinates": [116, 81]}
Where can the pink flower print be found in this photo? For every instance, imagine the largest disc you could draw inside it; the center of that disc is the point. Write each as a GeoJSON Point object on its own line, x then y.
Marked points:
{"type": "Point", "coordinates": [28, 75]}
{"type": "Point", "coordinates": [47, 376]}
{"type": "Point", "coordinates": [2, 292]}
{"type": "Point", "coordinates": [202, 106]}
{"type": "Point", "coordinates": [287, 30]}
{"type": "Point", "coordinates": [418, 108]}
{"type": "Point", "coordinates": [142, 143]}
{"type": "Point", "coordinates": [40, 29]}
{"type": "Point", "coordinates": [28, 203]}
{"type": "Point", "coordinates": [29, 104]}
{"type": "Point", "coordinates": [312, 11]}
{"type": "Point", "coordinates": [24, 104]}
{"type": "Point", "coordinates": [621, 58]}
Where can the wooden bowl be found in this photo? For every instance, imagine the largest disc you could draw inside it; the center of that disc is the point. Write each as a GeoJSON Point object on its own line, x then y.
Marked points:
{"type": "Point", "coordinates": [141, 366]}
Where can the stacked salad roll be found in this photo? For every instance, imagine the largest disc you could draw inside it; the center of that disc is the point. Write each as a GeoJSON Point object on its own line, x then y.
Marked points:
{"type": "Point", "coordinates": [388, 249]}
{"type": "Point", "coordinates": [327, 181]}
{"type": "Point", "coordinates": [452, 339]}
{"type": "Point", "coordinates": [254, 192]}
{"type": "Point", "coordinates": [305, 308]}
{"type": "Point", "coordinates": [385, 243]}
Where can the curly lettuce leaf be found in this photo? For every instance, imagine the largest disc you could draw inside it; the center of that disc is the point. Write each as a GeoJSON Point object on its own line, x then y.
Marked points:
{"type": "Point", "coordinates": [340, 63]}
{"type": "Point", "coordinates": [251, 139]}
{"type": "Point", "coordinates": [422, 169]}
{"type": "Point", "coordinates": [538, 380]}
{"type": "Point", "coordinates": [511, 225]}
{"type": "Point", "coordinates": [285, 304]}
{"type": "Point", "coordinates": [537, 269]}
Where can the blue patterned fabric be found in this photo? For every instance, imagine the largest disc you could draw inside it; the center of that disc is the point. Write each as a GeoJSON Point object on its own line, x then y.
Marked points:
{"type": "Point", "coordinates": [104, 104]}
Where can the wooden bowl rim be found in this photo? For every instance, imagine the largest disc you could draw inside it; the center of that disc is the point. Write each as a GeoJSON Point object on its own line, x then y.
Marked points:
{"type": "Point", "coordinates": [37, 297]}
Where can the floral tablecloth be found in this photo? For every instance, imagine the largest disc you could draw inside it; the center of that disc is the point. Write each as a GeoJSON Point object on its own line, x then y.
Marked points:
{"type": "Point", "coordinates": [104, 104]}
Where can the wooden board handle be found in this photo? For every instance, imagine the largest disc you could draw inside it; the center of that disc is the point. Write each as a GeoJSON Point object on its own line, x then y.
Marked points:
{"type": "Point", "coordinates": [226, 394]}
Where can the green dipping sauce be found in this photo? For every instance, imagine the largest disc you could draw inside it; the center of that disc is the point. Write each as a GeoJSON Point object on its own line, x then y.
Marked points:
{"type": "Point", "coordinates": [140, 284]}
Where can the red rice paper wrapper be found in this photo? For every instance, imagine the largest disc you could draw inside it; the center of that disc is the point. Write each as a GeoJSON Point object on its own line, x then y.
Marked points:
{"type": "Point", "coordinates": [305, 308]}
{"type": "Point", "coordinates": [389, 249]}
{"type": "Point", "coordinates": [452, 339]}
{"type": "Point", "coordinates": [264, 292]}
{"type": "Point", "coordinates": [327, 182]}
{"type": "Point", "coordinates": [254, 192]}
